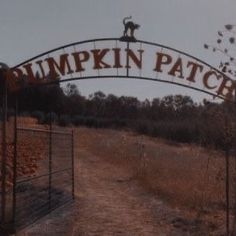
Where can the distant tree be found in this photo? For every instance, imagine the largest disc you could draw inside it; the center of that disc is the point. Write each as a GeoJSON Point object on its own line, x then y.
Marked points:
{"type": "Point", "coordinates": [96, 104]}
{"type": "Point", "coordinates": [71, 89]}
{"type": "Point", "coordinates": [113, 106]}
{"type": "Point", "coordinates": [44, 98]}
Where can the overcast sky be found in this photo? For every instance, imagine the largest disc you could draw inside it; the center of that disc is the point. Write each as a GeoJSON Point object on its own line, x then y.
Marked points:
{"type": "Point", "coordinates": [30, 27]}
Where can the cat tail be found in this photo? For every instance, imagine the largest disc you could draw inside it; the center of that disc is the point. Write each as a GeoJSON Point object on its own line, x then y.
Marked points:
{"type": "Point", "coordinates": [126, 18]}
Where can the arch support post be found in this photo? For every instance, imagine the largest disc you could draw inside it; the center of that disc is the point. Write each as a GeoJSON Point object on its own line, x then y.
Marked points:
{"type": "Point", "coordinates": [3, 88]}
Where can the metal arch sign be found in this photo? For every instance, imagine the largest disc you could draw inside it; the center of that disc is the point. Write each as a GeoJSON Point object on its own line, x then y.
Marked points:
{"type": "Point", "coordinates": [124, 57]}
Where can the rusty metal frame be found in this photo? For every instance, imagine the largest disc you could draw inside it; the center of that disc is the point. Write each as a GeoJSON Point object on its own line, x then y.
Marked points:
{"type": "Point", "coordinates": [143, 42]}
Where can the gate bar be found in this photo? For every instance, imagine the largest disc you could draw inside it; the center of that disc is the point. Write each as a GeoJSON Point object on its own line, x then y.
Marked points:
{"type": "Point", "coordinates": [4, 148]}
{"type": "Point", "coordinates": [127, 61]}
{"type": "Point", "coordinates": [15, 161]}
{"type": "Point", "coordinates": [73, 164]}
{"type": "Point", "coordinates": [227, 155]}
{"type": "Point", "coordinates": [50, 164]}
{"type": "Point", "coordinates": [227, 189]}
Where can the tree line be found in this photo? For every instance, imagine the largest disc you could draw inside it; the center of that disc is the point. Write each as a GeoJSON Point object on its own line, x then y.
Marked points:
{"type": "Point", "coordinates": [174, 117]}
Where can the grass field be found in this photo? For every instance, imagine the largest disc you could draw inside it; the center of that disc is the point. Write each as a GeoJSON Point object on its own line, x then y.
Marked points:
{"type": "Point", "coordinates": [185, 177]}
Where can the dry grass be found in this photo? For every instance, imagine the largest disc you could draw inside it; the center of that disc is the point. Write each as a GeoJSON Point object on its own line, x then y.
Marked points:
{"type": "Point", "coordinates": [182, 175]}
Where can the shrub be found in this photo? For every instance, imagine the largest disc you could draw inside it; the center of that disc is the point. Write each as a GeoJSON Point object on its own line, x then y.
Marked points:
{"type": "Point", "coordinates": [51, 117]}
{"type": "Point", "coordinates": [39, 115]}
{"type": "Point", "coordinates": [64, 120]}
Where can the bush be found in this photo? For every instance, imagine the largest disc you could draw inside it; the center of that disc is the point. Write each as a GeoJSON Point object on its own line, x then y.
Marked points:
{"type": "Point", "coordinates": [39, 115]}
{"type": "Point", "coordinates": [95, 122]}
{"type": "Point", "coordinates": [25, 114]}
{"type": "Point", "coordinates": [64, 120]}
{"type": "Point", "coordinates": [78, 120]}
{"type": "Point", "coordinates": [51, 117]}
{"type": "Point", "coordinates": [178, 131]}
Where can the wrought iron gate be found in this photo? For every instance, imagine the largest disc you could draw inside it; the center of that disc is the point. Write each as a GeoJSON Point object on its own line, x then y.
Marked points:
{"type": "Point", "coordinates": [44, 180]}
{"type": "Point", "coordinates": [39, 174]}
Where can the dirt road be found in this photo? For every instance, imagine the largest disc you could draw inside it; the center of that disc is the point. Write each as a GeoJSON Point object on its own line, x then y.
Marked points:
{"type": "Point", "coordinates": [110, 202]}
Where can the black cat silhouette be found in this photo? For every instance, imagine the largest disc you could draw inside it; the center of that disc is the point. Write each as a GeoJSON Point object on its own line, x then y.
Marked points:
{"type": "Point", "coordinates": [129, 26]}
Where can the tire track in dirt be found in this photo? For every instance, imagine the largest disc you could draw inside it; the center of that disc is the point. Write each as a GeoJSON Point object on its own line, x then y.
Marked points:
{"type": "Point", "coordinates": [110, 205]}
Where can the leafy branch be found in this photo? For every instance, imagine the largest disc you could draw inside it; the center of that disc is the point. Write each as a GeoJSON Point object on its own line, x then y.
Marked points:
{"type": "Point", "coordinates": [225, 45]}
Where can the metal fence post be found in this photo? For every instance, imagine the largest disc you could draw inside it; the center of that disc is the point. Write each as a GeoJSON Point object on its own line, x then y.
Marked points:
{"type": "Point", "coordinates": [227, 189]}
{"type": "Point", "coordinates": [227, 155]}
{"type": "Point", "coordinates": [50, 164]}
{"type": "Point", "coordinates": [73, 164]}
{"type": "Point", "coordinates": [15, 161]}
{"type": "Point", "coordinates": [4, 147]}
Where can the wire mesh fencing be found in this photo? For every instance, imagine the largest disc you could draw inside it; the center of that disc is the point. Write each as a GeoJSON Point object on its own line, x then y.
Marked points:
{"type": "Point", "coordinates": [38, 172]}
{"type": "Point", "coordinates": [44, 173]}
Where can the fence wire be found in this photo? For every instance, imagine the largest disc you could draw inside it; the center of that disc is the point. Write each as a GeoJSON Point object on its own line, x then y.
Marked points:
{"type": "Point", "coordinates": [44, 173]}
